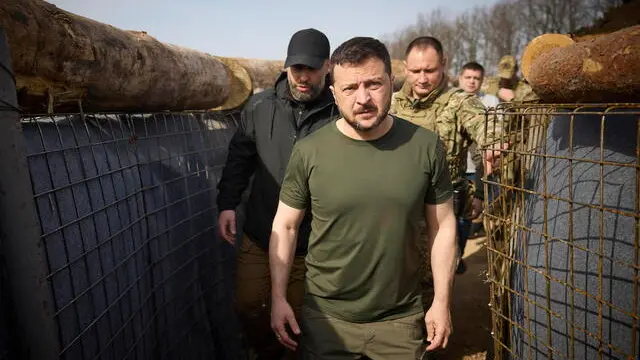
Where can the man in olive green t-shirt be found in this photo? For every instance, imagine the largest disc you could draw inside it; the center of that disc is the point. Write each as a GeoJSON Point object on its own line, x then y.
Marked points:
{"type": "Point", "coordinates": [367, 179]}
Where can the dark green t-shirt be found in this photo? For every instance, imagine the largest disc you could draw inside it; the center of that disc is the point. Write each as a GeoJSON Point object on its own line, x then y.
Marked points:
{"type": "Point", "coordinates": [366, 198]}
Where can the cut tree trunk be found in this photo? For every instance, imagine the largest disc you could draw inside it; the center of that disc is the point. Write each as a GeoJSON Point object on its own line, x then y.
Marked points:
{"type": "Point", "coordinates": [540, 45]}
{"type": "Point", "coordinates": [240, 85]}
{"type": "Point", "coordinates": [263, 73]}
{"type": "Point", "coordinates": [603, 69]}
{"type": "Point", "coordinates": [63, 61]}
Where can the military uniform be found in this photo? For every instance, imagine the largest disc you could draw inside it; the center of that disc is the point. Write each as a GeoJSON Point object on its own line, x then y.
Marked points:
{"type": "Point", "coordinates": [523, 132]}
{"type": "Point", "coordinates": [507, 69]}
{"type": "Point", "coordinates": [458, 118]}
{"type": "Point", "coordinates": [523, 91]}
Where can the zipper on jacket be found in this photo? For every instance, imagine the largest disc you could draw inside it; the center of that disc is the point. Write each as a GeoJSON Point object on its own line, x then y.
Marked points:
{"type": "Point", "coordinates": [298, 125]}
{"type": "Point", "coordinates": [300, 119]}
{"type": "Point", "coordinates": [312, 112]}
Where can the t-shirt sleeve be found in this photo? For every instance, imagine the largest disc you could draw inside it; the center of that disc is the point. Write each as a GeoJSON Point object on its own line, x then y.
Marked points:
{"type": "Point", "coordinates": [295, 186]}
{"type": "Point", "coordinates": [440, 188]}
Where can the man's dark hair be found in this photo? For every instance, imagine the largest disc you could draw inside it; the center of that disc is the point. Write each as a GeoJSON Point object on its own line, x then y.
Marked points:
{"type": "Point", "coordinates": [472, 65]}
{"type": "Point", "coordinates": [426, 42]}
{"type": "Point", "coordinates": [357, 50]}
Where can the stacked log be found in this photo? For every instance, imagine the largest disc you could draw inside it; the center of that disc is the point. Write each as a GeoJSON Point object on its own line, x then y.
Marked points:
{"type": "Point", "coordinates": [63, 61]}
{"type": "Point", "coordinates": [263, 73]}
{"type": "Point", "coordinates": [603, 68]}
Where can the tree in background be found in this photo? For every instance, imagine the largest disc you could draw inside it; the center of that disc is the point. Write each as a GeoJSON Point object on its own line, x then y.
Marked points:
{"type": "Point", "coordinates": [486, 33]}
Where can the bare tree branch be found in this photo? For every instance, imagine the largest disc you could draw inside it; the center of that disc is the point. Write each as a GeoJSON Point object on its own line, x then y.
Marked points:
{"type": "Point", "coordinates": [485, 34]}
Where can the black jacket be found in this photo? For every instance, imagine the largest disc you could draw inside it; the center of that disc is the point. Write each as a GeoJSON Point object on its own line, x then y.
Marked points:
{"type": "Point", "coordinates": [271, 122]}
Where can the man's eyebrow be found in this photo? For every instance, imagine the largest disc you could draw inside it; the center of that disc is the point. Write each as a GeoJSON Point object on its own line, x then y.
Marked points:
{"type": "Point", "coordinates": [373, 79]}
{"type": "Point", "coordinates": [427, 68]}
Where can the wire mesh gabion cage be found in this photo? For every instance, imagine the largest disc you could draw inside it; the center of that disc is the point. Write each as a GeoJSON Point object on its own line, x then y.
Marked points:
{"type": "Point", "coordinates": [563, 223]}
{"type": "Point", "coordinates": [126, 204]}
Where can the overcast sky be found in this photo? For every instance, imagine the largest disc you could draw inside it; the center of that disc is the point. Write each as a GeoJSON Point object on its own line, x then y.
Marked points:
{"type": "Point", "coordinates": [257, 29]}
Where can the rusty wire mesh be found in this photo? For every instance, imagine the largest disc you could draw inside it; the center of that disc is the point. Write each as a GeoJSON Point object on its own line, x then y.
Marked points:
{"type": "Point", "coordinates": [128, 214]}
{"type": "Point", "coordinates": [562, 219]}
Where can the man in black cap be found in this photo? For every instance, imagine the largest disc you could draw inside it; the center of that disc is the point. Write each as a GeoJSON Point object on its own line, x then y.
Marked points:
{"type": "Point", "coordinates": [271, 122]}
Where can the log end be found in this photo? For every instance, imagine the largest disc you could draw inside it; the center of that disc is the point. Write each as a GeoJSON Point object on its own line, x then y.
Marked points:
{"type": "Point", "coordinates": [602, 69]}
{"type": "Point", "coordinates": [541, 45]}
{"type": "Point", "coordinates": [263, 73]}
{"type": "Point", "coordinates": [240, 85]}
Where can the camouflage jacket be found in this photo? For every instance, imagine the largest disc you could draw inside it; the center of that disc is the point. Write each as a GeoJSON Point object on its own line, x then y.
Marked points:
{"type": "Point", "coordinates": [458, 117]}
{"type": "Point", "coordinates": [522, 93]}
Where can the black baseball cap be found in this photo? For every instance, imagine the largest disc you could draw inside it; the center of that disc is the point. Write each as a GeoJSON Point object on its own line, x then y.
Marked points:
{"type": "Point", "coordinates": [308, 47]}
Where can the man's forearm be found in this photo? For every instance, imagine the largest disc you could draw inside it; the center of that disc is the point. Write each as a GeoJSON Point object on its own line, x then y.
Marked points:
{"type": "Point", "coordinates": [443, 260]}
{"type": "Point", "coordinates": [282, 247]}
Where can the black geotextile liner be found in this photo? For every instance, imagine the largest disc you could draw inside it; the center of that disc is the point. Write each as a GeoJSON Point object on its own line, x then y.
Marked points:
{"type": "Point", "coordinates": [128, 215]}
{"type": "Point", "coordinates": [579, 284]}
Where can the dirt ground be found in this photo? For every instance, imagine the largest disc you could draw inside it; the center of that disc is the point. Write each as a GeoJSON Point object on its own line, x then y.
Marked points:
{"type": "Point", "coordinates": [471, 317]}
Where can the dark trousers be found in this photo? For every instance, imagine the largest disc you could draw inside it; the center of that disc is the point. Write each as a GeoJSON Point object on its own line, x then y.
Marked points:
{"type": "Point", "coordinates": [464, 225]}
{"type": "Point", "coordinates": [253, 298]}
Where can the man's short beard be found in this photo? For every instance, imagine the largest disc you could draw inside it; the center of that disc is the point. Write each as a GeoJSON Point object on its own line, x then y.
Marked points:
{"type": "Point", "coordinates": [379, 119]}
{"type": "Point", "coordinates": [357, 127]}
{"type": "Point", "coordinates": [312, 94]}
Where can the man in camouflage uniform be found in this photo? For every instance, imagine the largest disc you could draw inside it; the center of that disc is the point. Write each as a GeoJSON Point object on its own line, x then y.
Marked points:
{"type": "Point", "coordinates": [510, 88]}
{"type": "Point", "coordinates": [458, 117]}
{"type": "Point", "coordinates": [507, 86]}
{"type": "Point", "coordinates": [524, 132]}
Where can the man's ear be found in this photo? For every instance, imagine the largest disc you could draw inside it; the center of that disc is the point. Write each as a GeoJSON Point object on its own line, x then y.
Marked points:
{"type": "Point", "coordinates": [333, 91]}
{"type": "Point", "coordinates": [406, 72]}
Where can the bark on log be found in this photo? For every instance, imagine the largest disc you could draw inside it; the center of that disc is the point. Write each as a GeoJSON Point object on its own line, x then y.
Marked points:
{"type": "Point", "coordinates": [61, 58]}
{"type": "Point", "coordinates": [604, 69]}
{"type": "Point", "coordinates": [263, 73]}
